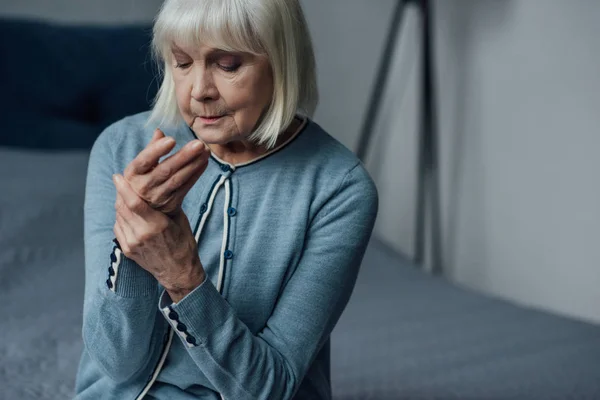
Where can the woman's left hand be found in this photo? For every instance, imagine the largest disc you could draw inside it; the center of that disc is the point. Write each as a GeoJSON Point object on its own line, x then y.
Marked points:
{"type": "Point", "coordinates": [162, 245]}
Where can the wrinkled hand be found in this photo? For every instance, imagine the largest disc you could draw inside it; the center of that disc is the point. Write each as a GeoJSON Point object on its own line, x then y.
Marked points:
{"type": "Point", "coordinates": [164, 185]}
{"type": "Point", "coordinates": [164, 246]}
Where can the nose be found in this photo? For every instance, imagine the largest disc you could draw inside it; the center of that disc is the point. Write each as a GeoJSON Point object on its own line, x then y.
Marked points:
{"type": "Point", "coordinates": [203, 86]}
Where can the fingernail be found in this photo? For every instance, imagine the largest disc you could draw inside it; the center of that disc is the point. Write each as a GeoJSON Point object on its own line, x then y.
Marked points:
{"type": "Point", "coordinates": [117, 178]}
{"type": "Point", "coordinates": [166, 141]}
{"type": "Point", "coordinates": [197, 144]}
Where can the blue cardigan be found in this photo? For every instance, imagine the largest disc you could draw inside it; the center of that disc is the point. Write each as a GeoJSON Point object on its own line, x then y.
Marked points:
{"type": "Point", "coordinates": [281, 239]}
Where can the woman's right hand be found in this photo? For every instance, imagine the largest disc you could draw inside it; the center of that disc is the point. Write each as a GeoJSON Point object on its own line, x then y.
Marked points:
{"type": "Point", "coordinates": [164, 185]}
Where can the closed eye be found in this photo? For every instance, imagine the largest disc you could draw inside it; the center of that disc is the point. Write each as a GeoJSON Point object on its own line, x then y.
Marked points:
{"type": "Point", "coordinates": [230, 67]}
{"type": "Point", "coordinates": [228, 62]}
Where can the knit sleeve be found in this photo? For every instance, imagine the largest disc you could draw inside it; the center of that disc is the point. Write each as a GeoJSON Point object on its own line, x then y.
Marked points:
{"type": "Point", "coordinates": [119, 310]}
{"type": "Point", "coordinates": [273, 363]}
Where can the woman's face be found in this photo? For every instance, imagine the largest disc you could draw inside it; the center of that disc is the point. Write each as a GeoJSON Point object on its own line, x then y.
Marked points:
{"type": "Point", "coordinates": [221, 94]}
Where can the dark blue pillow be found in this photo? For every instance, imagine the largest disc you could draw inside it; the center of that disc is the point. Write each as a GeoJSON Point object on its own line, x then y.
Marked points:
{"type": "Point", "coordinates": [62, 85]}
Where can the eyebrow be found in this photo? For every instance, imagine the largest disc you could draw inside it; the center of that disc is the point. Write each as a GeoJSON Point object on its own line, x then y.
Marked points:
{"type": "Point", "coordinates": [176, 50]}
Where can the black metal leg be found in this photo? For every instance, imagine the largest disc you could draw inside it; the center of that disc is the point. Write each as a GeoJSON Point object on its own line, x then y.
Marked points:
{"type": "Point", "coordinates": [427, 170]}
{"type": "Point", "coordinates": [428, 193]}
{"type": "Point", "coordinates": [364, 139]}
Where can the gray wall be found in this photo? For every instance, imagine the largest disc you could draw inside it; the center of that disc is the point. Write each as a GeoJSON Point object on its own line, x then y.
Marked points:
{"type": "Point", "coordinates": [348, 36]}
{"type": "Point", "coordinates": [520, 136]}
{"type": "Point", "coordinates": [521, 128]}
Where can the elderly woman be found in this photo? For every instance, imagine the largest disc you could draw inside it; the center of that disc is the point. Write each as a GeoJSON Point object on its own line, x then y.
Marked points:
{"type": "Point", "coordinates": [222, 248]}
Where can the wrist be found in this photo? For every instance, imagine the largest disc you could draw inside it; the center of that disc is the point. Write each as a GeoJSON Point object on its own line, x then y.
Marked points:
{"type": "Point", "coordinates": [185, 284]}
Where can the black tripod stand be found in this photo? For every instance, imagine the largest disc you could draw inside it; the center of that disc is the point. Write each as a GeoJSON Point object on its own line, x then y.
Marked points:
{"type": "Point", "coordinates": [428, 195]}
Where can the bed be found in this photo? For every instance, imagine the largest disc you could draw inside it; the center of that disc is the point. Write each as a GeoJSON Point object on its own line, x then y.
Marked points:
{"type": "Point", "coordinates": [404, 334]}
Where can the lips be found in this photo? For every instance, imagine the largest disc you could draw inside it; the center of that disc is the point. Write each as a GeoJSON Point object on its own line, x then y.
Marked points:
{"type": "Point", "coordinates": [210, 119]}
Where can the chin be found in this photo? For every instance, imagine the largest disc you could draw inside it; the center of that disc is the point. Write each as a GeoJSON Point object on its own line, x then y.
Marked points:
{"type": "Point", "coordinates": [210, 136]}
{"type": "Point", "coordinates": [213, 135]}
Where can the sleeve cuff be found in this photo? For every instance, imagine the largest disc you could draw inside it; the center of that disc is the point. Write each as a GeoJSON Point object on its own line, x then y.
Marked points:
{"type": "Point", "coordinates": [127, 279]}
{"type": "Point", "coordinates": [197, 315]}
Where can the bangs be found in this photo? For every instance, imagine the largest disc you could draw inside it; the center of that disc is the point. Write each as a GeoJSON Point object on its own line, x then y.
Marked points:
{"type": "Point", "coordinates": [220, 24]}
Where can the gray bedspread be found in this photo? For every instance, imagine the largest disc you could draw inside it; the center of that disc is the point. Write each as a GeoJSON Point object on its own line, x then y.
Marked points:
{"type": "Point", "coordinates": [404, 335]}
{"type": "Point", "coordinates": [41, 272]}
{"type": "Point", "coordinates": [407, 335]}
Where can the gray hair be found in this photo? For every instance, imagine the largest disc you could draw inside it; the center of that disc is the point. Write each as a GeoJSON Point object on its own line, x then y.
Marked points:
{"type": "Point", "coordinates": [275, 28]}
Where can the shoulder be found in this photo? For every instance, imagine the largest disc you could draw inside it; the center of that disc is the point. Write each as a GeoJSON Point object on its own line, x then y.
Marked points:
{"type": "Point", "coordinates": [121, 141]}
{"type": "Point", "coordinates": [323, 148]}
{"type": "Point", "coordinates": [336, 170]}
{"type": "Point", "coordinates": [130, 131]}
{"type": "Point", "coordinates": [331, 156]}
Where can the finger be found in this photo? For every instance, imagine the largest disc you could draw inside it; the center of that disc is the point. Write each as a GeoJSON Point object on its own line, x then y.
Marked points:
{"type": "Point", "coordinates": [170, 166]}
{"type": "Point", "coordinates": [138, 229]}
{"type": "Point", "coordinates": [132, 240]}
{"type": "Point", "coordinates": [130, 198]}
{"type": "Point", "coordinates": [121, 236]}
{"type": "Point", "coordinates": [171, 193]}
{"type": "Point", "coordinates": [148, 158]}
{"type": "Point", "coordinates": [122, 210]}
{"type": "Point", "coordinates": [185, 187]}
{"type": "Point", "coordinates": [124, 229]}
{"type": "Point", "coordinates": [129, 220]}
{"type": "Point", "coordinates": [186, 177]}
{"type": "Point", "coordinates": [158, 134]}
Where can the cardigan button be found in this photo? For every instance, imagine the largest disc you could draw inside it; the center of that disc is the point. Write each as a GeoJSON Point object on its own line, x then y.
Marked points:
{"type": "Point", "coordinates": [174, 316]}
{"type": "Point", "coordinates": [231, 211]}
{"type": "Point", "coordinates": [113, 257]}
{"type": "Point", "coordinates": [111, 271]}
{"type": "Point", "coordinates": [109, 283]}
{"type": "Point", "coordinates": [203, 208]}
{"type": "Point", "coordinates": [228, 254]}
{"type": "Point", "coordinates": [181, 327]}
{"type": "Point", "coordinates": [225, 168]}
{"type": "Point", "coordinates": [191, 340]}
